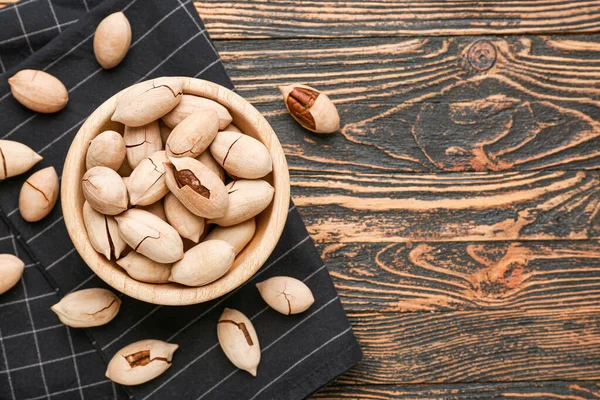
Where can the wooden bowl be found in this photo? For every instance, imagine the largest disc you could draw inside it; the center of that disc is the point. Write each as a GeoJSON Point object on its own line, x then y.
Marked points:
{"type": "Point", "coordinates": [269, 224]}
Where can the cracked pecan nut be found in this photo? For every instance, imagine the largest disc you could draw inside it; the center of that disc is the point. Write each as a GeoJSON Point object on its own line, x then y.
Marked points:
{"type": "Point", "coordinates": [311, 108]}
{"type": "Point", "coordinates": [140, 362]}
{"type": "Point", "coordinates": [147, 183]}
{"type": "Point", "coordinates": [39, 91]}
{"type": "Point", "coordinates": [38, 195]}
{"type": "Point", "coordinates": [155, 208]}
{"type": "Point", "coordinates": [209, 161]}
{"type": "Point", "coordinates": [286, 295]}
{"type": "Point", "coordinates": [165, 131]}
{"type": "Point", "coordinates": [241, 155]}
{"type": "Point", "coordinates": [105, 190]}
{"type": "Point", "coordinates": [12, 269]}
{"type": "Point", "coordinates": [237, 235]}
{"type": "Point", "coordinates": [189, 225]}
{"type": "Point", "coordinates": [196, 187]}
{"type": "Point", "coordinates": [16, 158]}
{"type": "Point", "coordinates": [148, 101]}
{"type": "Point", "coordinates": [143, 269]}
{"type": "Point", "coordinates": [103, 233]}
{"type": "Point", "coordinates": [247, 199]}
{"type": "Point", "coordinates": [238, 340]}
{"type": "Point", "coordinates": [141, 142]}
{"type": "Point", "coordinates": [112, 39]}
{"type": "Point", "coordinates": [88, 307]}
{"type": "Point", "coordinates": [203, 263]}
{"type": "Point", "coordinates": [149, 235]}
{"type": "Point", "coordinates": [190, 104]}
{"type": "Point", "coordinates": [107, 149]}
{"type": "Point", "coordinates": [194, 134]}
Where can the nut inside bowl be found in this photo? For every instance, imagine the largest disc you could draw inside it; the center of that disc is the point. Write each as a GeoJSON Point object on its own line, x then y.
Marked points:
{"type": "Point", "coordinates": [269, 223]}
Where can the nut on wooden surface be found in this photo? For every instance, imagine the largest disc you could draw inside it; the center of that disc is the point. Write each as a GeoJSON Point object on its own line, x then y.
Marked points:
{"type": "Point", "coordinates": [311, 108]}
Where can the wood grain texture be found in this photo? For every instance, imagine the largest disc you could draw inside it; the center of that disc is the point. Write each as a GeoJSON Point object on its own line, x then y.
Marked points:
{"type": "Point", "coordinates": [350, 208]}
{"type": "Point", "coordinates": [228, 19]}
{"type": "Point", "coordinates": [475, 276]}
{"type": "Point", "coordinates": [574, 390]}
{"type": "Point", "coordinates": [421, 105]}
{"type": "Point", "coordinates": [464, 346]}
{"type": "Point", "coordinates": [248, 19]}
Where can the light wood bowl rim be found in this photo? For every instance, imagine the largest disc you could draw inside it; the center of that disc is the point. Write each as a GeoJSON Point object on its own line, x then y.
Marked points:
{"type": "Point", "coordinates": [247, 263]}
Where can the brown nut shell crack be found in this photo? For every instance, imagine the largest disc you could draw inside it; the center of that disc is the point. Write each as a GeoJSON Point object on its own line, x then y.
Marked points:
{"type": "Point", "coordinates": [185, 177]}
{"type": "Point", "coordinates": [142, 358]}
{"type": "Point", "coordinates": [242, 327]}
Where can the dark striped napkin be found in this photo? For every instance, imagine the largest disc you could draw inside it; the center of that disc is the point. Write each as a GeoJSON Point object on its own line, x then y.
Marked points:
{"type": "Point", "coordinates": [41, 358]}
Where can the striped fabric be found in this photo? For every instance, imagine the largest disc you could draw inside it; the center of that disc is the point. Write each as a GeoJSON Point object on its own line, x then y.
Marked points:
{"type": "Point", "coordinates": [41, 358]}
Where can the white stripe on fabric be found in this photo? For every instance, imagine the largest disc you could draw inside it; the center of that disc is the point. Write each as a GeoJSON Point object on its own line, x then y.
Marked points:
{"type": "Point", "coordinates": [85, 4]}
{"type": "Point", "coordinates": [72, 389]}
{"type": "Point", "coordinates": [10, 214]}
{"type": "Point", "coordinates": [23, 29]}
{"type": "Point", "coordinates": [272, 343]}
{"type": "Point", "coordinates": [54, 15]}
{"type": "Point", "coordinates": [75, 362]}
{"type": "Point", "coordinates": [62, 135]}
{"type": "Point", "coordinates": [60, 259]}
{"type": "Point", "coordinates": [6, 237]}
{"type": "Point", "coordinates": [41, 296]}
{"type": "Point", "coordinates": [35, 339]}
{"type": "Point", "coordinates": [15, 38]}
{"type": "Point", "coordinates": [89, 278]}
{"type": "Point", "coordinates": [169, 57]}
{"type": "Point", "coordinates": [2, 66]}
{"type": "Point", "coordinates": [181, 370]}
{"type": "Point", "coordinates": [160, 21]}
{"type": "Point", "coordinates": [114, 387]}
{"type": "Point", "coordinates": [72, 49]}
{"type": "Point", "coordinates": [37, 330]}
{"type": "Point", "coordinates": [195, 21]}
{"type": "Point", "coordinates": [216, 344]}
{"type": "Point", "coordinates": [131, 328]}
{"type": "Point", "coordinates": [301, 360]}
{"type": "Point", "coordinates": [48, 362]}
{"type": "Point", "coordinates": [10, 384]}
{"type": "Point", "coordinates": [20, 125]}
{"type": "Point", "coordinates": [5, 96]}
{"type": "Point", "coordinates": [31, 239]}
{"type": "Point", "coordinates": [218, 60]}
{"type": "Point", "coordinates": [21, 3]}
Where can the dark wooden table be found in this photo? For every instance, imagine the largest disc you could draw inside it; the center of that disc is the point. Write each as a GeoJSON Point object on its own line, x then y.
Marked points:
{"type": "Point", "coordinates": [457, 209]}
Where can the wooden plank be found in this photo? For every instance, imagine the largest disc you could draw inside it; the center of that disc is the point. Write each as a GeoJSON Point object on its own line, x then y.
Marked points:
{"type": "Point", "coordinates": [442, 277]}
{"type": "Point", "coordinates": [573, 390]}
{"type": "Point", "coordinates": [490, 346]}
{"type": "Point", "coordinates": [425, 104]}
{"type": "Point", "coordinates": [243, 19]}
{"type": "Point", "coordinates": [344, 207]}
